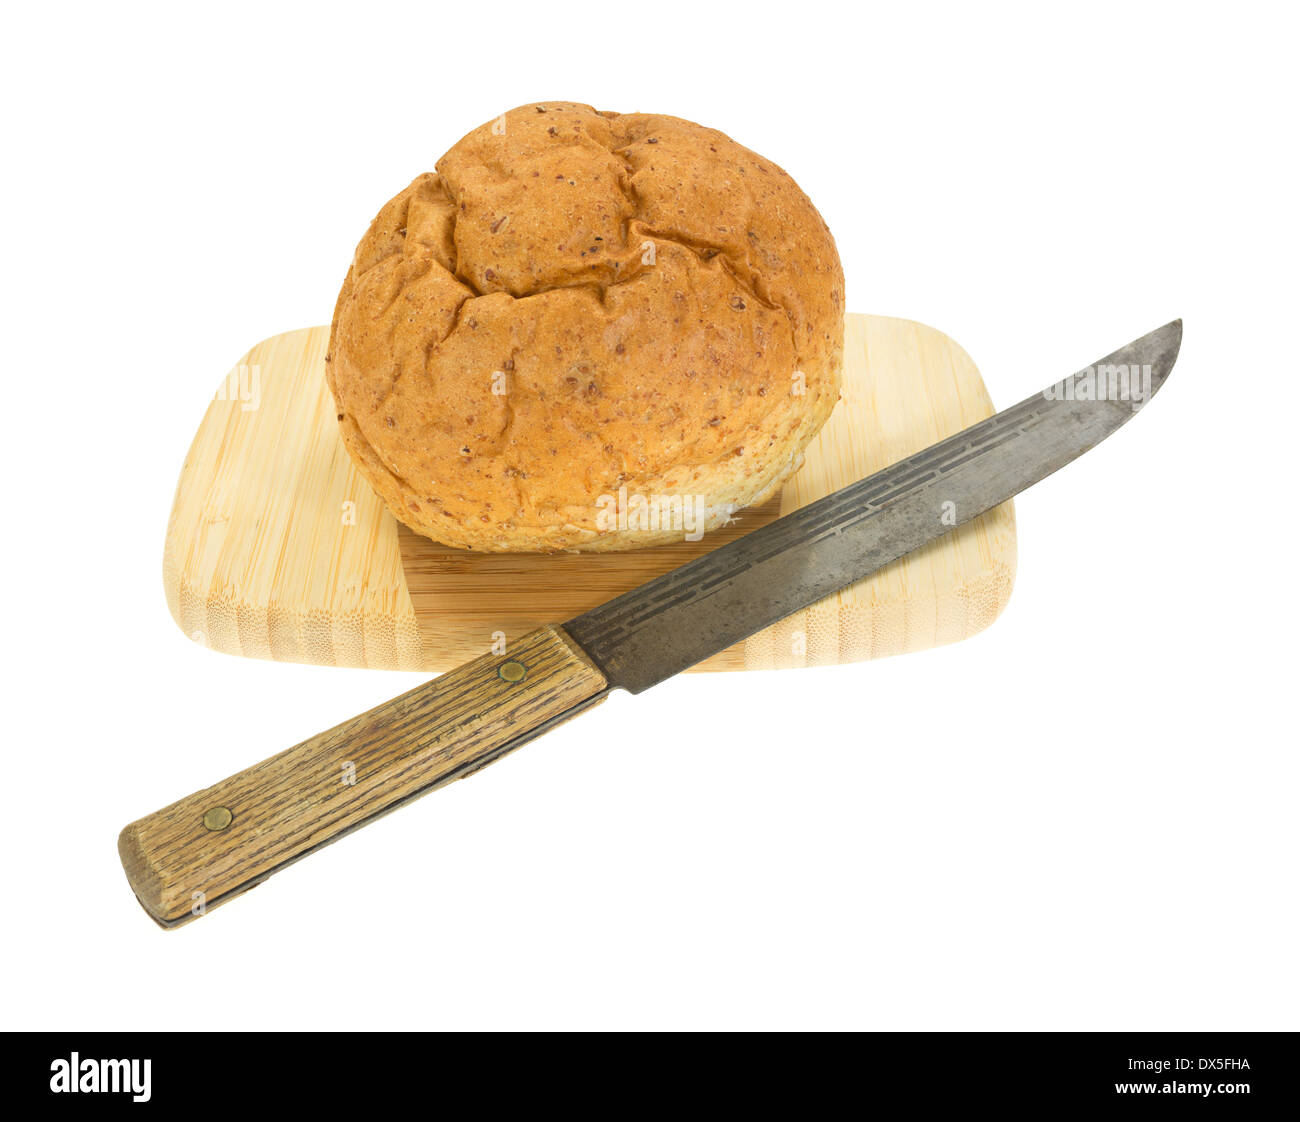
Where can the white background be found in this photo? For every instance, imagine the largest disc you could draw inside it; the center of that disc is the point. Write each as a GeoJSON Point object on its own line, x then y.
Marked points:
{"type": "Point", "coordinates": [1083, 818]}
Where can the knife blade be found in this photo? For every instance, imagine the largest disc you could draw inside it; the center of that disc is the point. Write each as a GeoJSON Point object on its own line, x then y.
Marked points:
{"type": "Point", "coordinates": [205, 849]}
{"type": "Point", "coordinates": [669, 624]}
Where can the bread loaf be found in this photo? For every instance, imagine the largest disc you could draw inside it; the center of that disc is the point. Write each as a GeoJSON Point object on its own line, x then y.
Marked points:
{"type": "Point", "coordinates": [581, 323]}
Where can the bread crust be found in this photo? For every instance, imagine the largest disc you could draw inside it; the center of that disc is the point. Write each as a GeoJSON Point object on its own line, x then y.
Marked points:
{"type": "Point", "coordinates": [579, 306]}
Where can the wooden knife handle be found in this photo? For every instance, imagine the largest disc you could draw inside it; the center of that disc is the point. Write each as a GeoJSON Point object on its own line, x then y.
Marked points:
{"type": "Point", "coordinates": [203, 850]}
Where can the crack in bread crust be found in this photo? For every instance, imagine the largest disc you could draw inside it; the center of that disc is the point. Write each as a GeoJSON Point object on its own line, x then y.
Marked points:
{"type": "Point", "coordinates": [576, 302]}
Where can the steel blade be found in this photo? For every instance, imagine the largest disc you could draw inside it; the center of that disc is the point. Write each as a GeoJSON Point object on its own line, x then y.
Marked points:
{"type": "Point", "coordinates": [683, 617]}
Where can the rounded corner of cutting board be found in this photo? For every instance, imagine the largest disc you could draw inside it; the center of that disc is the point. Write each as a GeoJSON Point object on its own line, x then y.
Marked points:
{"type": "Point", "coordinates": [276, 548]}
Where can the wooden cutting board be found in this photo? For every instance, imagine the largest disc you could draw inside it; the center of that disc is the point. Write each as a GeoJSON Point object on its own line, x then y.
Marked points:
{"type": "Point", "coordinates": [277, 548]}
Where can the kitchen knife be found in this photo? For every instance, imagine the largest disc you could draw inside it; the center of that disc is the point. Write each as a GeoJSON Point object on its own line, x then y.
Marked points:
{"type": "Point", "coordinates": [205, 849]}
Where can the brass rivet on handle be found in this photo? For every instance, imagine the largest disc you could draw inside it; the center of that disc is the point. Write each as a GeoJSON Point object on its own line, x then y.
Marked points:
{"type": "Point", "coordinates": [218, 818]}
{"type": "Point", "coordinates": [512, 671]}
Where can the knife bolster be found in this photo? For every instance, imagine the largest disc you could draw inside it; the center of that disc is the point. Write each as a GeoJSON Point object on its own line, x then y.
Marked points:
{"type": "Point", "coordinates": [213, 845]}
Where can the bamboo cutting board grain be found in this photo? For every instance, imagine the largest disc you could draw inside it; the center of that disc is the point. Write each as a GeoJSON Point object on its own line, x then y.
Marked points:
{"type": "Point", "coordinates": [277, 548]}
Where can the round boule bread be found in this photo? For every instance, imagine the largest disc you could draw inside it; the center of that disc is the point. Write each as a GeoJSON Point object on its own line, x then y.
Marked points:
{"type": "Point", "coordinates": [581, 313]}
